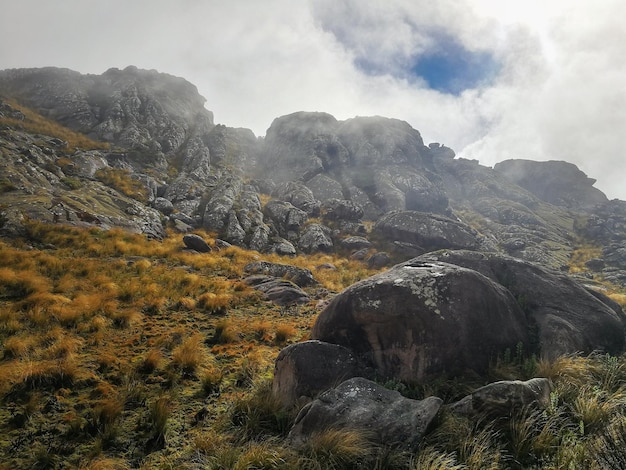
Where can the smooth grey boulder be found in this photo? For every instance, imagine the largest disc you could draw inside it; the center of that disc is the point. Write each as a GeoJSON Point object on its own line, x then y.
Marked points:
{"type": "Point", "coordinates": [300, 276]}
{"type": "Point", "coordinates": [505, 397]}
{"type": "Point", "coordinates": [429, 231]}
{"type": "Point", "coordinates": [303, 370]}
{"type": "Point", "coordinates": [355, 243]}
{"type": "Point", "coordinates": [384, 416]}
{"type": "Point", "coordinates": [196, 242]}
{"type": "Point", "coordinates": [561, 315]}
{"type": "Point", "coordinates": [421, 319]}
{"type": "Point", "coordinates": [378, 260]}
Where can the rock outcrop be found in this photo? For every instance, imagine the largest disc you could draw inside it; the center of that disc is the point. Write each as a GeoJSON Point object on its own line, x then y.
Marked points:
{"type": "Point", "coordinates": [422, 319]}
{"type": "Point", "coordinates": [452, 312]}
{"type": "Point", "coordinates": [383, 416]}
{"type": "Point", "coordinates": [562, 316]}
{"type": "Point", "coordinates": [557, 182]}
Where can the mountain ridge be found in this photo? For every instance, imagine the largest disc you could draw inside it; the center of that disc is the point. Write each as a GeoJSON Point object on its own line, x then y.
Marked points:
{"type": "Point", "coordinates": [196, 174]}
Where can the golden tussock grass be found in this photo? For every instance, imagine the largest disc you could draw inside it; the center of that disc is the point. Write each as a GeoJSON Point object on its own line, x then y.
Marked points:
{"type": "Point", "coordinates": [284, 332]}
{"type": "Point", "coordinates": [190, 354]}
{"type": "Point", "coordinates": [17, 346]}
{"type": "Point", "coordinates": [38, 124]}
{"type": "Point", "coordinates": [151, 361]}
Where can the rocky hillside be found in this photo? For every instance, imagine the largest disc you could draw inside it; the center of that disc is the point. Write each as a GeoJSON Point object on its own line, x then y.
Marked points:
{"type": "Point", "coordinates": [360, 186]}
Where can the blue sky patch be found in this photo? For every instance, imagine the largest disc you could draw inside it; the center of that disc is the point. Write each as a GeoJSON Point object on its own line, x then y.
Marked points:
{"type": "Point", "coordinates": [452, 69]}
{"type": "Point", "coordinates": [448, 68]}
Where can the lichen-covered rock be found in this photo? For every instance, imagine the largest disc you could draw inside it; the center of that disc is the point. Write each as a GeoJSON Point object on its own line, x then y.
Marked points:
{"type": "Point", "coordinates": [284, 217]}
{"type": "Point", "coordinates": [383, 416]}
{"type": "Point", "coordinates": [421, 319]}
{"type": "Point", "coordinates": [298, 195]}
{"type": "Point", "coordinates": [355, 243]}
{"type": "Point", "coordinates": [301, 276]}
{"type": "Point", "coordinates": [506, 397]}
{"type": "Point", "coordinates": [341, 209]}
{"type": "Point", "coordinates": [315, 238]}
{"type": "Point", "coordinates": [562, 316]}
{"type": "Point", "coordinates": [428, 231]}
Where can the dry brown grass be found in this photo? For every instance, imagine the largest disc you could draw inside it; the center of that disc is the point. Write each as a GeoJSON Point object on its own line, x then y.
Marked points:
{"type": "Point", "coordinates": [37, 124]}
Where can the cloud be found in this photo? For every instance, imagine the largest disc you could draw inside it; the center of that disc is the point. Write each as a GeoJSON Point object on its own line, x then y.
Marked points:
{"type": "Point", "coordinates": [557, 93]}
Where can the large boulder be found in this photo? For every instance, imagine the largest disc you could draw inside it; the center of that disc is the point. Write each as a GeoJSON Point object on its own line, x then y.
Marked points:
{"type": "Point", "coordinates": [421, 319]}
{"type": "Point", "coordinates": [562, 315]}
{"type": "Point", "coordinates": [304, 370]}
{"type": "Point", "coordinates": [384, 416]}
{"type": "Point", "coordinates": [427, 231]}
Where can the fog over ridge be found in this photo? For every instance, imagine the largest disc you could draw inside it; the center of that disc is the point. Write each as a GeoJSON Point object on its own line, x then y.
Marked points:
{"type": "Point", "coordinates": [557, 93]}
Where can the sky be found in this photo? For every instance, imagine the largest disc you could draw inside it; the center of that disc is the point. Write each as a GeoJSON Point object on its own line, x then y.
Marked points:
{"type": "Point", "coordinates": [492, 79]}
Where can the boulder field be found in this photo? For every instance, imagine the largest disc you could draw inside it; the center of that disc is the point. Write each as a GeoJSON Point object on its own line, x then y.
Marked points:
{"type": "Point", "coordinates": [446, 314]}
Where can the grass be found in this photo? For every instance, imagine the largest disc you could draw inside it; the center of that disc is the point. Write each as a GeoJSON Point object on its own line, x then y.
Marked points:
{"type": "Point", "coordinates": [37, 124]}
{"type": "Point", "coordinates": [109, 339]}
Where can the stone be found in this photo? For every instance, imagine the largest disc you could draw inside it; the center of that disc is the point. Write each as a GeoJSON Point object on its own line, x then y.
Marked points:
{"type": "Point", "coordinates": [506, 397]}
{"type": "Point", "coordinates": [163, 205]}
{"type": "Point", "coordinates": [298, 195]}
{"type": "Point", "coordinates": [303, 370]}
{"type": "Point", "coordinates": [315, 238]}
{"type": "Point", "coordinates": [283, 247]}
{"type": "Point", "coordinates": [561, 315]}
{"type": "Point", "coordinates": [421, 319]}
{"type": "Point", "coordinates": [196, 242]}
{"type": "Point", "coordinates": [595, 264]}
{"type": "Point", "coordinates": [429, 231]}
{"type": "Point", "coordinates": [557, 182]}
{"type": "Point", "coordinates": [384, 416]}
{"type": "Point", "coordinates": [355, 243]}
{"type": "Point", "coordinates": [341, 209]}
{"type": "Point", "coordinates": [284, 216]}
{"type": "Point", "coordinates": [378, 260]}
{"type": "Point", "coordinates": [300, 276]}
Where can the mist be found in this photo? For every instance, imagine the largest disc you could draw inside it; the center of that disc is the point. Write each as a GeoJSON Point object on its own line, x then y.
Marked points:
{"type": "Point", "coordinates": [553, 89]}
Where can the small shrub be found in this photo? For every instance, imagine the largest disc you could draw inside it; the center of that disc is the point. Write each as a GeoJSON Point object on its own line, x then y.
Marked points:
{"type": "Point", "coordinates": [16, 346]}
{"type": "Point", "coordinates": [189, 355]}
{"type": "Point", "coordinates": [433, 459]}
{"type": "Point", "coordinates": [211, 381]}
{"type": "Point", "coordinates": [106, 413]}
{"type": "Point", "coordinates": [216, 304]}
{"type": "Point", "coordinates": [283, 333]}
{"type": "Point", "coordinates": [223, 333]}
{"type": "Point", "coordinates": [259, 413]}
{"type": "Point", "coordinates": [339, 448]}
{"type": "Point", "coordinates": [151, 361]}
{"type": "Point", "coordinates": [159, 412]}
{"type": "Point", "coordinates": [72, 182]}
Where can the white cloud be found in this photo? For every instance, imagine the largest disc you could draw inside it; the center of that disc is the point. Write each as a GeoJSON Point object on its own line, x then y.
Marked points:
{"type": "Point", "coordinates": [560, 93]}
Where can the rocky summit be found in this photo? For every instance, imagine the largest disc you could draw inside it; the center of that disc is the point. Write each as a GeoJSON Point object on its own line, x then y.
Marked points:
{"type": "Point", "coordinates": [467, 264]}
{"type": "Point", "coordinates": [156, 159]}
